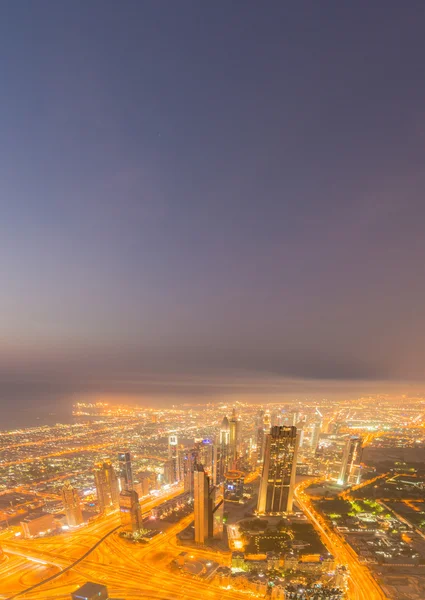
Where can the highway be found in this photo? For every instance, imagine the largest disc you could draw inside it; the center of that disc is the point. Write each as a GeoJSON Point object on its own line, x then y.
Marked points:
{"type": "Point", "coordinates": [362, 585]}
{"type": "Point", "coordinates": [96, 553]}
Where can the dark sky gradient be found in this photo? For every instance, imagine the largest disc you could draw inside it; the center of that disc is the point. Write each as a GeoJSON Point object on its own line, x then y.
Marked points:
{"type": "Point", "coordinates": [196, 189]}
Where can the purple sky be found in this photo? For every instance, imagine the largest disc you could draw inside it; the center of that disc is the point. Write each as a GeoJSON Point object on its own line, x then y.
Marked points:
{"type": "Point", "coordinates": [196, 188]}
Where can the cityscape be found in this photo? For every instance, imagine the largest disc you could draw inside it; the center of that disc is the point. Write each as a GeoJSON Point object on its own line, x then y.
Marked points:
{"type": "Point", "coordinates": [304, 500]}
{"type": "Point", "coordinates": [212, 300]}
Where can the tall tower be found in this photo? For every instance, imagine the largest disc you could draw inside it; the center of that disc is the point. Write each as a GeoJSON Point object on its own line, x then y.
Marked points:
{"type": "Point", "coordinates": [71, 505]}
{"type": "Point", "coordinates": [259, 435]}
{"type": "Point", "coordinates": [351, 458]}
{"type": "Point", "coordinates": [201, 504]}
{"type": "Point", "coordinates": [295, 417]}
{"type": "Point", "coordinates": [131, 518]}
{"type": "Point", "coordinates": [107, 486]}
{"type": "Point", "coordinates": [267, 420]}
{"type": "Point", "coordinates": [234, 426]}
{"type": "Point", "coordinates": [188, 462]}
{"type": "Point", "coordinates": [125, 471]}
{"type": "Point", "coordinates": [206, 456]}
{"type": "Point", "coordinates": [315, 434]}
{"type": "Point", "coordinates": [279, 466]}
{"type": "Point", "coordinates": [173, 456]}
{"type": "Point", "coordinates": [225, 448]}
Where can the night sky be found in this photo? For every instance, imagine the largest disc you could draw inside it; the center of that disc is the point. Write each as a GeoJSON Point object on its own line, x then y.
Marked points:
{"type": "Point", "coordinates": [197, 196]}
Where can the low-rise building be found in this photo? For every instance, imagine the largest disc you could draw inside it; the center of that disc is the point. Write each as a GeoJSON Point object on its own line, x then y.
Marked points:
{"type": "Point", "coordinates": [38, 525]}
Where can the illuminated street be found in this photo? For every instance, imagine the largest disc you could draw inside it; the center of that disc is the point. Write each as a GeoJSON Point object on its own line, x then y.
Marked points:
{"type": "Point", "coordinates": [362, 584]}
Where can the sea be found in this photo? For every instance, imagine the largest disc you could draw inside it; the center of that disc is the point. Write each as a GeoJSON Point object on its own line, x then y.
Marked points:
{"type": "Point", "coordinates": [11, 419]}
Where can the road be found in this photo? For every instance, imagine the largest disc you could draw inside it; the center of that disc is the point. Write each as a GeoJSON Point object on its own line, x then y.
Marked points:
{"type": "Point", "coordinates": [362, 585]}
{"type": "Point", "coordinates": [95, 553]}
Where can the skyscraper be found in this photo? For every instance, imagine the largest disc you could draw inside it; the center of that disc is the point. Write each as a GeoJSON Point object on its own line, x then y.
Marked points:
{"type": "Point", "coordinates": [173, 457]}
{"type": "Point", "coordinates": [206, 455]}
{"type": "Point", "coordinates": [208, 507]}
{"type": "Point", "coordinates": [315, 434]}
{"type": "Point", "coordinates": [71, 505]}
{"type": "Point", "coordinates": [125, 471]}
{"type": "Point", "coordinates": [267, 420]}
{"type": "Point", "coordinates": [279, 466]}
{"type": "Point", "coordinates": [351, 458]}
{"type": "Point", "coordinates": [107, 486]}
{"type": "Point", "coordinates": [260, 443]}
{"type": "Point", "coordinates": [216, 512]}
{"type": "Point", "coordinates": [234, 426]}
{"type": "Point", "coordinates": [222, 452]}
{"type": "Point", "coordinates": [295, 417]}
{"type": "Point", "coordinates": [201, 503]}
{"type": "Point", "coordinates": [188, 459]}
{"type": "Point", "coordinates": [131, 518]}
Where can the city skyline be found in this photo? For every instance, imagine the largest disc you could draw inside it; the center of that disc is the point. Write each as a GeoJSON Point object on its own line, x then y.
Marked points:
{"type": "Point", "coordinates": [212, 311]}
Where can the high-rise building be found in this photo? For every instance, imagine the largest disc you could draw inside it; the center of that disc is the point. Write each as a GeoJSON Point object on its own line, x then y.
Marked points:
{"type": "Point", "coordinates": [222, 452]}
{"type": "Point", "coordinates": [315, 434]}
{"type": "Point", "coordinates": [351, 458]}
{"type": "Point", "coordinates": [169, 471]}
{"type": "Point", "coordinates": [279, 467]}
{"type": "Point", "coordinates": [188, 459]}
{"type": "Point", "coordinates": [131, 518]}
{"type": "Point", "coordinates": [201, 504]}
{"type": "Point", "coordinates": [106, 486]}
{"type": "Point", "coordinates": [295, 417]}
{"type": "Point", "coordinates": [91, 591]}
{"type": "Point", "coordinates": [71, 505]}
{"type": "Point", "coordinates": [173, 456]}
{"type": "Point", "coordinates": [206, 455]}
{"type": "Point", "coordinates": [216, 509]}
{"type": "Point", "coordinates": [216, 464]}
{"type": "Point", "coordinates": [260, 443]}
{"type": "Point", "coordinates": [234, 438]}
{"type": "Point", "coordinates": [208, 507]}
{"type": "Point", "coordinates": [125, 471]}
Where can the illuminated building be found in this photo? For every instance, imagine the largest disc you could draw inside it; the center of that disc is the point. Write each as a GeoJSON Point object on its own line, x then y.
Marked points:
{"type": "Point", "coordinates": [173, 458]}
{"type": "Point", "coordinates": [131, 518]}
{"type": "Point", "coordinates": [208, 507]}
{"type": "Point", "coordinates": [279, 467]}
{"type": "Point", "coordinates": [315, 434]}
{"type": "Point", "coordinates": [142, 487]}
{"type": "Point", "coordinates": [169, 471]}
{"type": "Point", "coordinates": [295, 417]}
{"type": "Point", "coordinates": [201, 504]}
{"type": "Point", "coordinates": [260, 443]}
{"type": "Point", "coordinates": [145, 482]}
{"type": "Point", "coordinates": [233, 486]}
{"type": "Point", "coordinates": [351, 457]}
{"type": "Point", "coordinates": [187, 462]}
{"type": "Point", "coordinates": [106, 486]}
{"type": "Point", "coordinates": [125, 471]}
{"type": "Point", "coordinates": [71, 505]}
{"type": "Point", "coordinates": [91, 591]}
{"type": "Point", "coordinates": [301, 437]}
{"type": "Point", "coordinates": [234, 430]}
{"type": "Point", "coordinates": [37, 525]}
{"type": "Point", "coordinates": [222, 451]}
{"type": "Point", "coordinates": [206, 455]}
{"type": "Point", "coordinates": [238, 561]}
{"type": "Point", "coordinates": [334, 427]}
{"type": "Point", "coordinates": [216, 507]}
